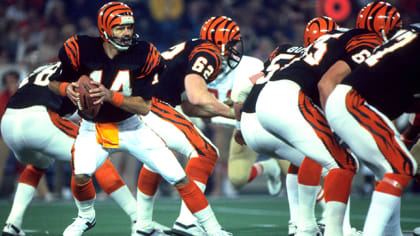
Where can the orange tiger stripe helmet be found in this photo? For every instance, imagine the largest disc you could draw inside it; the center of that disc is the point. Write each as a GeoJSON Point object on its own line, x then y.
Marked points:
{"type": "Point", "coordinates": [225, 33]}
{"type": "Point", "coordinates": [379, 17]}
{"type": "Point", "coordinates": [110, 15]}
{"type": "Point", "coordinates": [317, 27]}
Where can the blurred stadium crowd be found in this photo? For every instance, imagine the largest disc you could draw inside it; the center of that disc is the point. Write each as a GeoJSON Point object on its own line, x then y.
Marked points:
{"type": "Point", "coordinates": [32, 31]}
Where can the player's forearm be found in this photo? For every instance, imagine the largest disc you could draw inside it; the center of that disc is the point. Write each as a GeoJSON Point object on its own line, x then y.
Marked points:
{"type": "Point", "coordinates": [210, 105]}
{"type": "Point", "coordinates": [54, 86]}
{"type": "Point", "coordinates": [207, 110]}
{"type": "Point", "coordinates": [195, 111]}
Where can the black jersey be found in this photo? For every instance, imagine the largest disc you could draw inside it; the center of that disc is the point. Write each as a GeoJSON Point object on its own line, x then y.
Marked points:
{"type": "Point", "coordinates": [388, 80]}
{"type": "Point", "coordinates": [131, 72]}
{"type": "Point", "coordinates": [281, 56]}
{"type": "Point", "coordinates": [352, 47]}
{"type": "Point", "coordinates": [34, 91]}
{"type": "Point", "coordinates": [191, 57]}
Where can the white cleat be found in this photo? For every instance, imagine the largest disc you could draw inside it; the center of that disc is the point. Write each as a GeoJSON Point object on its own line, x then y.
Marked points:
{"type": "Point", "coordinates": [194, 229]}
{"type": "Point", "coordinates": [79, 226]}
{"type": "Point", "coordinates": [292, 229]}
{"type": "Point", "coordinates": [313, 231]}
{"type": "Point", "coordinates": [353, 232]}
{"type": "Point", "coordinates": [416, 231]}
{"type": "Point", "coordinates": [12, 230]}
{"type": "Point", "coordinates": [274, 179]}
{"type": "Point", "coordinates": [153, 232]}
{"type": "Point", "coordinates": [156, 226]}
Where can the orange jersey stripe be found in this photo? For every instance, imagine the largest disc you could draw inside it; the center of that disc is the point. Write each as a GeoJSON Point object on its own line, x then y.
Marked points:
{"type": "Point", "coordinates": [152, 60]}
{"type": "Point", "coordinates": [274, 53]}
{"type": "Point", "coordinates": [384, 136]}
{"type": "Point", "coordinates": [68, 127]}
{"type": "Point", "coordinates": [320, 125]}
{"type": "Point", "coordinates": [72, 50]}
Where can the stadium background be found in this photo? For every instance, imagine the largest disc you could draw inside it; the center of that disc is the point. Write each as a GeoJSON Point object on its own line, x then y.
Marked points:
{"type": "Point", "coordinates": [32, 31]}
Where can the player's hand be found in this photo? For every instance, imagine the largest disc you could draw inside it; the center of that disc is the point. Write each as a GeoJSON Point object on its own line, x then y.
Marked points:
{"type": "Point", "coordinates": [237, 135]}
{"type": "Point", "coordinates": [71, 92]}
{"type": "Point", "coordinates": [100, 93]}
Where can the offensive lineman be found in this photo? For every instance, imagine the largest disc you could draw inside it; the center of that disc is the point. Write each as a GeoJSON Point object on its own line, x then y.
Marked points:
{"type": "Point", "coordinates": [366, 101]}
{"type": "Point", "coordinates": [297, 118]}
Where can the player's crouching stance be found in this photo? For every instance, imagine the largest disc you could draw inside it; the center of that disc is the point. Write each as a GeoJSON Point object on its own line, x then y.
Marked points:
{"type": "Point", "coordinates": [123, 69]}
{"type": "Point", "coordinates": [378, 91]}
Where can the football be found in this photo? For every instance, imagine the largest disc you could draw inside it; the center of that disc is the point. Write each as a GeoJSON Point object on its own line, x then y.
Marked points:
{"type": "Point", "coordinates": [85, 103]}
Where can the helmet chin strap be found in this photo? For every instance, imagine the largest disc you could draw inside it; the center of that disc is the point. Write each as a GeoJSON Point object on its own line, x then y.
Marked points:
{"type": "Point", "coordinates": [115, 44]}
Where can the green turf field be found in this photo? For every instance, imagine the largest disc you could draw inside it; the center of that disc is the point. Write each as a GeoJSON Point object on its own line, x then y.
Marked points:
{"type": "Point", "coordinates": [243, 216]}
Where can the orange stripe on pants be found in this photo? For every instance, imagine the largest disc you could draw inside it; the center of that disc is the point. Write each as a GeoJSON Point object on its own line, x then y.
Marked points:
{"type": "Point", "coordinates": [198, 169]}
{"type": "Point", "coordinates": [383, 135]}
{"type": "Point", "coordinates": [320, 125]}
{"type": "Point", "coordinates": [63, 124]}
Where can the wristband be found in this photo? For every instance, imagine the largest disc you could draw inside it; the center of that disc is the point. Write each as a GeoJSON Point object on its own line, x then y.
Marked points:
{"type": "Point", "coordinates": [62, 88]}
{"type": "Point", "coordinates": [238, 125]}
{"type": "Point", "coordinates": [117, 99]}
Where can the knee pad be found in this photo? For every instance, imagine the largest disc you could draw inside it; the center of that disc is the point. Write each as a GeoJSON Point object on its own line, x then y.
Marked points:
{"type": "Point", "coordinates": [309, 172]}
{"type": "Point", "coordinates": [200, 168]}
{"type": "Point", "coordinates": [31, 176]}
{"type": "Point", "coordinates": [393, 184]}
{"type": "Point", "coordinates": [148, 181]}
{"type": "Point", "coordinates": [108, 177]}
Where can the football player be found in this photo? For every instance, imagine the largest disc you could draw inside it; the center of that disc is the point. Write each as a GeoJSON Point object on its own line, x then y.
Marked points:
{"type": "Point", "coordinates": [189, 67]}
{"type": "Point", "coordinates": [125, 70]}
{"type": "Point", "coordinates": [251, 132]}
{"type": "Point", "coordinates": [360, 110]}
{"type": "Point", "coordinates": [50, 139]}
{"type": "Point", "coordinates": [298, 119]}
{"type": "Point", "coordinates": [231, 85]}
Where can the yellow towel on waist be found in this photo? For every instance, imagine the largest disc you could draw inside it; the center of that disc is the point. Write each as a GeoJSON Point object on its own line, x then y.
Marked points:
{"type": "Point", "coordinates": [107, 134]}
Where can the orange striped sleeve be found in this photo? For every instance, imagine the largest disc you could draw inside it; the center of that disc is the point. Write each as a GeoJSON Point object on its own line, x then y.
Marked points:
{"type": "Point", "coordinates": [152, 61]}
{"type": "Point", "coordinates": [72, 50]}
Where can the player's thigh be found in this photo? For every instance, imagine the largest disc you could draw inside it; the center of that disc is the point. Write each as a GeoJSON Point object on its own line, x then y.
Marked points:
{"type": "Point", "coordinates": [265, 143]}
{"type": "Point", "coordinates": [369, 134]}
{"type": "Point", "coordinates": [88, 155]}
{"type": "Point", "coordinates": [279, 113]}
{"type": "Point", "coordinates": [172, 135]}
{"type": "Point", "coordinates": [59, 145]}
{"type": "Point", "coordinates": [26, 140]}
{"type": "Point", "coordinates": [147, 147]}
